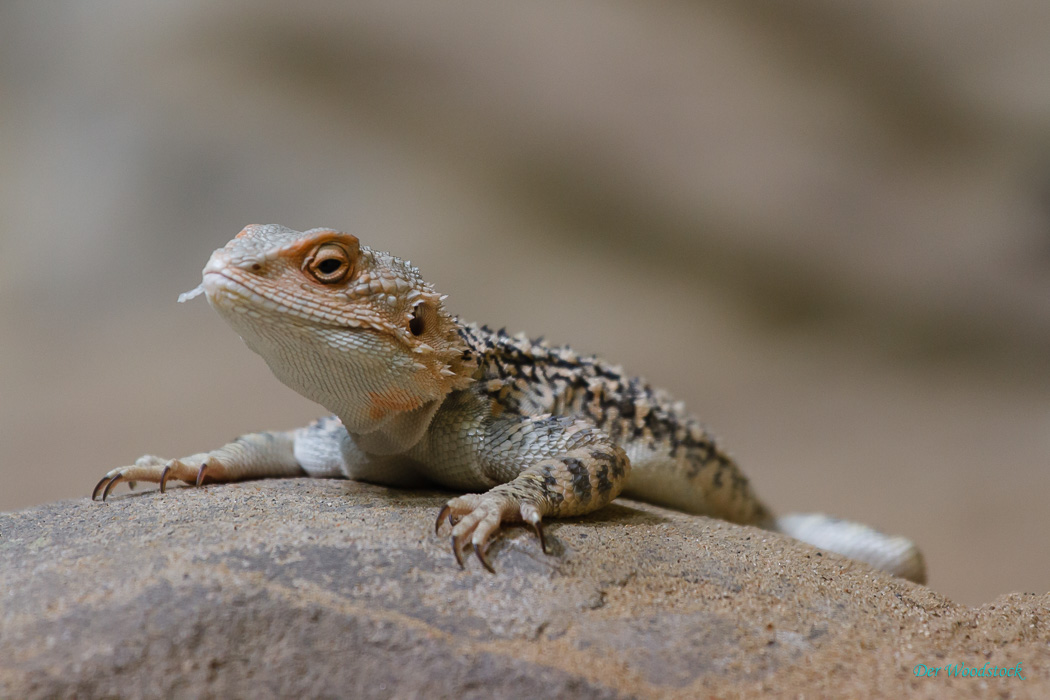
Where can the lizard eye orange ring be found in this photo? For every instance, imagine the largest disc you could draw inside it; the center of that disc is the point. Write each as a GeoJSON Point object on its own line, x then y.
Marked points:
{"type": "Point", "coordinates": [329, 264]}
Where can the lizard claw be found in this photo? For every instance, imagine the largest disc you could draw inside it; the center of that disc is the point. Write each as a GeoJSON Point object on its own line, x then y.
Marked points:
{"type": "Point", "coordinates": [98, 487]}
{"type": "Point", "coordinates": [479, 549]}
{"type": "Point", "coordinates": [456, 551]}
{"type": "Point", "coordinates": [530, 515]}
{"type": "Point", "coordinates": [180, 467]}
{"type": "Point", "coordinates": [164, 476]}
{"type": "Point", "coordinates": [537, 527]}
{"type": "Point", "coordinates": [109, 487]}
{"type": "Point", "coordinates": [201, 472]}
{"type": "Point", "coordinates": [446, 511]}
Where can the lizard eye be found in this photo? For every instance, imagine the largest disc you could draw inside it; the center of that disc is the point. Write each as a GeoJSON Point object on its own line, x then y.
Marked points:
{"type": "Point", "coordinates": [329, 264]}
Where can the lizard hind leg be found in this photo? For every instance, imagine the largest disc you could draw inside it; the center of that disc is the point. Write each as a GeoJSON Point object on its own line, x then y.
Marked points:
{"type": "Point", "coordinates": [577, 482]}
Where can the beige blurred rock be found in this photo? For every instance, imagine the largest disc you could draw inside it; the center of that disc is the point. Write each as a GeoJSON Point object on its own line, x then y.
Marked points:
{"type": "Point", "coordinates": [303, 588]}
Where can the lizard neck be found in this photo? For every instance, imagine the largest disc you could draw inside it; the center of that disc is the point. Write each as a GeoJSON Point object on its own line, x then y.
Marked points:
{"type": "Point", "coordinates": [399, 432]}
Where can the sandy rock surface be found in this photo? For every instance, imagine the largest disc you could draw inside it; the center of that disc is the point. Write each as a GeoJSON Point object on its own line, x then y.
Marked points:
{"type": "Point", "coordinates": [325, 588]}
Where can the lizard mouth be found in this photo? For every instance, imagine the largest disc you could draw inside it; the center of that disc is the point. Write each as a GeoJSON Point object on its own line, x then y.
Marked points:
{"type": "Point", "coordinates": [228, 292]}
{"type": "Point", "coordinates": [223, 288]}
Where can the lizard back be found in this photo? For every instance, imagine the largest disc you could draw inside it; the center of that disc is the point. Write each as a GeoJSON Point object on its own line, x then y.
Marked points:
{"type": "Point", "coordinates": [675, 459]}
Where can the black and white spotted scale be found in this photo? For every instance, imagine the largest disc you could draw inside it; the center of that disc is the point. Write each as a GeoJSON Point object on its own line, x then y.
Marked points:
{"type": "Point", "coordinates": [675, 460]}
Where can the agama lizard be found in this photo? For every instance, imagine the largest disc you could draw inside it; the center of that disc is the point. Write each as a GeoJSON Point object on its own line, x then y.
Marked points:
{"type": "Point", "coordinates": [530, 430]}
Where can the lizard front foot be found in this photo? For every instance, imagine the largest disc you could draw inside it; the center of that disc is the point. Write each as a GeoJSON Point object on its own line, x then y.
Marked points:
{"type": "Point", "coordinates": [252, 456]}
{"type": "Point", "coordinates": [475, 518]}
{"type": "Point", "coordinates": [575, 482]}
{"type": "Point", "coordinates": [158, 470]}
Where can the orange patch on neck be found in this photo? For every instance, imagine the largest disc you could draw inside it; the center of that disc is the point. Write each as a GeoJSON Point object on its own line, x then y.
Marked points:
{"type": "Point", "coordinates": [381, 404]}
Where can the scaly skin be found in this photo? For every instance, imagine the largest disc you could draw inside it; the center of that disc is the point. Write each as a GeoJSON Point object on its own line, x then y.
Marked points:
{"type": "Point", "coordinates": [530, 430]}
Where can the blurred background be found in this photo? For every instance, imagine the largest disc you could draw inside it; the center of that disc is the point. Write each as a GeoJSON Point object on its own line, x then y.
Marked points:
{"type": "Point", "coordinates": [825, 227]}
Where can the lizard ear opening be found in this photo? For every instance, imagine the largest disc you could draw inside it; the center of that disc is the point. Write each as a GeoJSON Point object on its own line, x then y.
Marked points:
{"type": "Point", "coordinates": [417, 325]}
{"type": "Point", "coordinates": [425, 319]}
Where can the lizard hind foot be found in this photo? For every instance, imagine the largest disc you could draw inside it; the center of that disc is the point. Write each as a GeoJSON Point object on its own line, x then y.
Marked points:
{"type": "Point", "coordinates": [475, 518]}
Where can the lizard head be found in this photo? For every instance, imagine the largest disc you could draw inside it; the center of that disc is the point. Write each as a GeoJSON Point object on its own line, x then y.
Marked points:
{"type": "Point", "coordinates": [357, 330]}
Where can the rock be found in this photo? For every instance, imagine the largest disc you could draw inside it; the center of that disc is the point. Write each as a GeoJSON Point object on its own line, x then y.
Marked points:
{"type": "Point", "coordinates": [325, 588]}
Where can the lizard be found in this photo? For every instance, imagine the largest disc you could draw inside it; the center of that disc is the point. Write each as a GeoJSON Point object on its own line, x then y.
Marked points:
{"type": "Point", "coordinates": [528, 430]}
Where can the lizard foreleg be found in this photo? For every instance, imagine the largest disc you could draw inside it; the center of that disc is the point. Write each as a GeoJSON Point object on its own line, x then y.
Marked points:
{"type": "Point", "coordinates": [252, 456]}
{"type": "Point", "coordinates": [577, 469]}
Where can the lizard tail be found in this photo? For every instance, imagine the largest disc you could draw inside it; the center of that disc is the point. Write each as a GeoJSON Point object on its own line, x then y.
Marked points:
{"type": "Point", "coordinates": [896, 555]}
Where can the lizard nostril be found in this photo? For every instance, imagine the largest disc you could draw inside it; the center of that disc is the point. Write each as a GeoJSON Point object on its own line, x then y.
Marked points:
{"type": "Point", "coordinates": [256, 267]}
